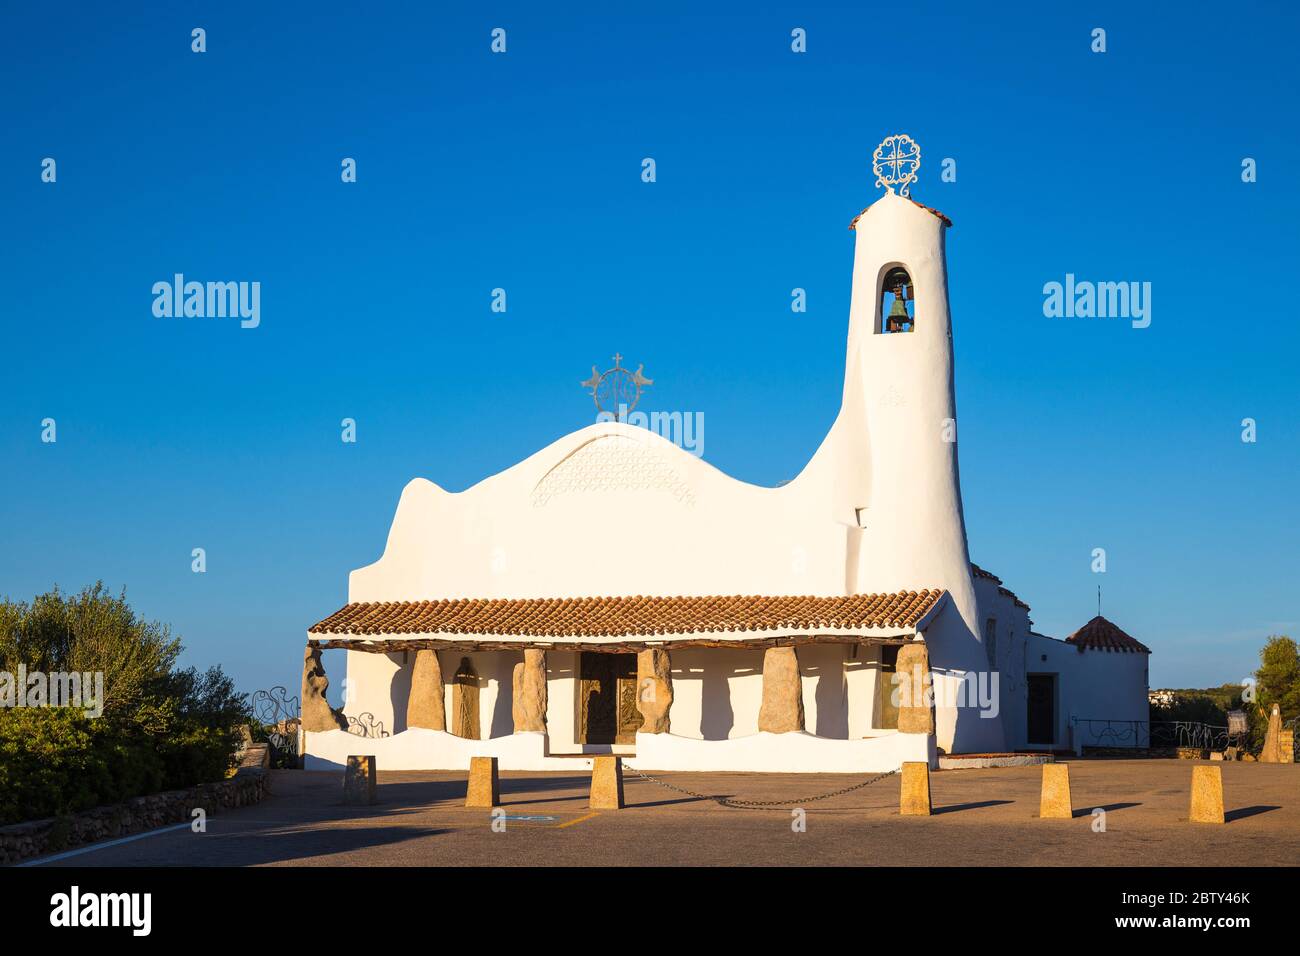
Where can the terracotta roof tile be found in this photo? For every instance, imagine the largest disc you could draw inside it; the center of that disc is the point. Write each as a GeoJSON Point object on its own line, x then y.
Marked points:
{"type": "Point", "coordinates": [933, 212]}
{"type": "Point", "coordinates": [981, 573]}
{"type": "Point", "coordinates": [1101, 634]}
{"type": "Point", "coordinates": [630, 616]}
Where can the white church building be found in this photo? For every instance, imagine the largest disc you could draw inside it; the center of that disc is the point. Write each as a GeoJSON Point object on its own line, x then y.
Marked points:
{"type": "Point", "coordinates": [833, 624]}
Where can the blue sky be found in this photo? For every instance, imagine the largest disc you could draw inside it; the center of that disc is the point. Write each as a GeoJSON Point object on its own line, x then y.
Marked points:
{"type": "Point", "coordinates": [522, 171]}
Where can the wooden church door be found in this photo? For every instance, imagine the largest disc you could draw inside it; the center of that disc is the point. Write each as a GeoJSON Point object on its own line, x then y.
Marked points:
{"type": "Point", "coordinates": [607, 698]}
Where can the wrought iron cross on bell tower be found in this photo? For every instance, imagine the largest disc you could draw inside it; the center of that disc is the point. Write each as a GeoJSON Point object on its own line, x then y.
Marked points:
{"type": "Point", "coordinates": [896, 162]}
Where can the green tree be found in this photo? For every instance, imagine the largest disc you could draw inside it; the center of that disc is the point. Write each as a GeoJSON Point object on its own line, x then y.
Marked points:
{"type": "Point", "coordinates": [1278, 679]}
{"type": "Point", "coordinates": [91, 631]}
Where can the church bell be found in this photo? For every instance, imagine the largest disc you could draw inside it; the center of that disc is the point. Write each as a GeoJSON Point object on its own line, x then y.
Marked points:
{"type": "Point", "coordinates": [898, 282]}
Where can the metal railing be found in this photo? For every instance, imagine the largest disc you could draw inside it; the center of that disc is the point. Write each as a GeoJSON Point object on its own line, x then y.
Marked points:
{"type": "Point", "coordinates": [280, 716]}
{"type": "Point", "coordinates": [277, 712]}
{"type": "Point", "coordinates": [1191, 734]}
{"type": "Point", "coordinates": [1101, 732]}
{"type": "Point", "coordinates": [1153, 735]}
{"type": "Point", "coordinates": [365, 725]}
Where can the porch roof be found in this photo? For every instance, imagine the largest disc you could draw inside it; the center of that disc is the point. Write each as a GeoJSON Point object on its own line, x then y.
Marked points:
{"type": "Point", "coordinates": [631, 622]}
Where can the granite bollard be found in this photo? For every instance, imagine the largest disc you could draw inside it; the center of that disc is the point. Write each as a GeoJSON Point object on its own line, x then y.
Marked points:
{"type": "Point", "coordinates": [914, 799]}
{"type": "Point", "coordinates": [607, 783]}
{"type": "Point", "coordinates": [1207, 795]}
{"type": "Point", "coordinates": [359, 781]}
{"type": "Point", "coordinates": [484, 789]}
{"type": "Point", "coordinates": [1054, 801]}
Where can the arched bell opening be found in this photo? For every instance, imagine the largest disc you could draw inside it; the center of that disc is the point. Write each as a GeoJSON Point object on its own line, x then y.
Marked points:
{"type": "Point", "coordinates": [897, 308]}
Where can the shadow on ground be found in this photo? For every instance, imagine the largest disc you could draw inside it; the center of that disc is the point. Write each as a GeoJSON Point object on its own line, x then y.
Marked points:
{"type": "Point", "coordinates": [959, 807]}
{"type": "Point", "coordinates": [1244, 812]}
{"type": "Point", "coordinates": [1108, 807]}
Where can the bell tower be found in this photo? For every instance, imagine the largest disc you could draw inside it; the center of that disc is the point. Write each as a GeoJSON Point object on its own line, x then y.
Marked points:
{"type": "Point", "coordinates": [897, 480]}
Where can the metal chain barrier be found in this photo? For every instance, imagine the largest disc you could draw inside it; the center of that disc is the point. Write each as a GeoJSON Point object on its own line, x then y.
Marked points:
{"type": "Point", "coordinates": [735, 804]}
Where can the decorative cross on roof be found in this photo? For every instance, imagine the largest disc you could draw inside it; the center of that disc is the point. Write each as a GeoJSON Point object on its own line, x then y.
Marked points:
{"type": "Point", "coordinates": [896, 162]}
{"type": "Point", "coordinates": [617, 390]}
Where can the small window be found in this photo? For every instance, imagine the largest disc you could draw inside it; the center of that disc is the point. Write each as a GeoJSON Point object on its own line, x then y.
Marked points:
{"type": "Point", "coordinates": [896, 306]}
{"type": "Point", "coordinates": [991, 640]}
{"type": "Point", "coordinates": [886, 706]}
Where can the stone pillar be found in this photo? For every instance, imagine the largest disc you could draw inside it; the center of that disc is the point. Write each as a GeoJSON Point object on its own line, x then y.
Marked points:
{"type": "Point", "coordinates": [782, 710]}
{"type": "Point", "coordinates": [1272, 752]}
{"type": "Point", "coordinates": [529, 702]}
{"type": "Point", "coordinates": [654, 689]}
{"type": "Point", "coordinates": [464, 701]}
{"type": "Point", "coordinates": [915, 710]}
{"type": "Point", "coordinates": [425, 707]}
{"type": "Point", "coordinates": [317, 714]}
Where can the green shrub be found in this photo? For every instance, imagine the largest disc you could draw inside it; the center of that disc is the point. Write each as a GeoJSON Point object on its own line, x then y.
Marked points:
{"type": "Point", "coordinates": [197, 754]}
{"type": "Point", "coordinates": [50, 763]}
{"type": "Point", "coordinates": [162, 728]}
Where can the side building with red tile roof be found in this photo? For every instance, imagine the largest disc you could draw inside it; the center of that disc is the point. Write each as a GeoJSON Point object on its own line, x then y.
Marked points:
{"type": "Point", "coordinates": [1087, 690]}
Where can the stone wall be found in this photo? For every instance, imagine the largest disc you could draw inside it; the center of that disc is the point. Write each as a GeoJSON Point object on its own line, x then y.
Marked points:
{"type": "Point", "coordinates": [40, 837]}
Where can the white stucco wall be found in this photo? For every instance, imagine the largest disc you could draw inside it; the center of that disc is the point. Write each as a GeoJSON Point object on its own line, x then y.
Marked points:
{"type": "Point", "coordinates": [793, 752]}
{"type": "Point", "coordinates": [420, 749]}
{"type": "Point", "coordinates": [375, 684]}
{"type": "Point", "coordinates": [380, 685]}
{"type": "Point", "coordinates": [1009, 656]}
{"type": "Point", "coordinates": [861, 677]}
{"type": "Point", "coordinates": [1096, 685]}
{"type": "Point", "coordinates": [716, 694]}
